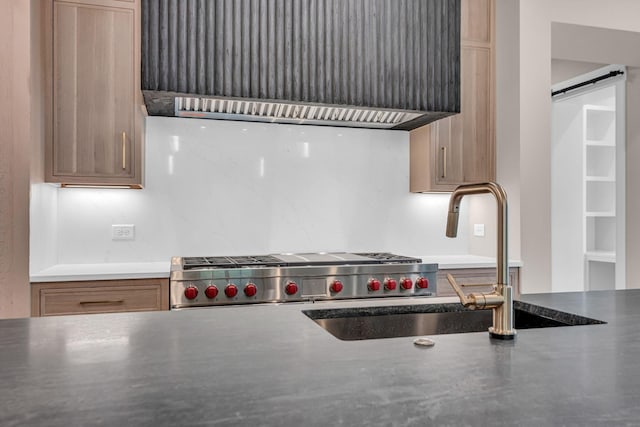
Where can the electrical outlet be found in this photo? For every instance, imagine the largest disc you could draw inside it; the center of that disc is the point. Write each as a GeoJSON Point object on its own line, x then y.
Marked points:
{"type": "Point", "coordinates": [478, 230]}
{"type": "Point", "coordinates": [123, 232]}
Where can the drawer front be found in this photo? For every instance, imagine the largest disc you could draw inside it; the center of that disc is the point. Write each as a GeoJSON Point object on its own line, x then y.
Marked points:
{"type": "Point", "coordinates": [55, 302]}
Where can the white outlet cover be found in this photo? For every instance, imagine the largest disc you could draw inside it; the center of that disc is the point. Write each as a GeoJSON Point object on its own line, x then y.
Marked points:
{"type": "Point", "coordinates": [123, 232]}
{"type": "Point", "coordinates": [478, 230]}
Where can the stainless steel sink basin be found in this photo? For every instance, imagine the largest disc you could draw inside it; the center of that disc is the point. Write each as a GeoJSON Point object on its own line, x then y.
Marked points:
{"type": "Point", "coordinates": [364, 323]}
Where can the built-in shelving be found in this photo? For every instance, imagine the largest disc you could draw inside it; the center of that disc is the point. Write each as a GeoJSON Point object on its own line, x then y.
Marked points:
{"type": "Point", "coordinates": [588, 184]}
{"type": "Point", "coordinates": [599, 196]}
{"type": "Point", "coordinates": [601, 256]}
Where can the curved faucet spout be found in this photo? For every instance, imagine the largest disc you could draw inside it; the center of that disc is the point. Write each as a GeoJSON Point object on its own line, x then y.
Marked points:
{"type": "Point", "coordinates": [502, 312]}
{"type": "Point", "coordinates": [501, 199]}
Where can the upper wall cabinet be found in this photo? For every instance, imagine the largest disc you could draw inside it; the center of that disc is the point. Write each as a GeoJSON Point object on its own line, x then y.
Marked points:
{"type": "Point", "coordinates": [461, 149]}
{"type": "Point", "coordinates": [94, 129]}
{"type": "Point", "coordinates": [370, 63]}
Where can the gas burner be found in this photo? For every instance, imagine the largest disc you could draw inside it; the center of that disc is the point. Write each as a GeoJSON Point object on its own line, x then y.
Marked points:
{"type": "Point", "coordinates": [387, 257]}
{"type": "Point", "coordinates": [206, 262]}
{"type": "Point", "coordinates": [257, 261]}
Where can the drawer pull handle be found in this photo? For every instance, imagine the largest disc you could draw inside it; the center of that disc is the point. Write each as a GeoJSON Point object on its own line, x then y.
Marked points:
{"type": "Point", "coordinates": [476, 284]}
{"type": "Point", "coordinates": [124, 150]}
{"type": "Point", "coordinates": [116, 301]}
{"type": "Point", "coordinates": [444, 162]}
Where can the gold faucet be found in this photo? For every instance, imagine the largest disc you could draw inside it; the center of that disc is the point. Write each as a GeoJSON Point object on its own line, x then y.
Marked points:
{"type": "Point", "coordinates": [501, 299]}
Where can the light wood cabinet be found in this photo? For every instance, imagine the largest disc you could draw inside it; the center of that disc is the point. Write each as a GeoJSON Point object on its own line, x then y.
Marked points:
{"type": "Point", "coordinates": [461, 149]}
{"type": "Point", "coordinates": [102, 296]}
{"type": "Point", "coordinates": [19, 115]}
{"type": "Point", "coordinates": [475, 280]}
{"type": "Point", "coordinates": [95, 121]}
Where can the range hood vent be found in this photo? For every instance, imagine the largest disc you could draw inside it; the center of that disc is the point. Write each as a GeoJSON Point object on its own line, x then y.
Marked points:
{"type": "Point", "coordinates": [281, 112]}
{"type": "Point", "coordinates": [363, 63]}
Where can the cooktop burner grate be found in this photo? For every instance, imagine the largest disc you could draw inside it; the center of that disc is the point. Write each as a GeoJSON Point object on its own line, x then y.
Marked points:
{"type": "Point", "coordinates": [288, 260]}
{"type": "Point", "coordinates": [386, 257]}
{"type": "Point", "coordinates": [257, 261]}
{"type": "Point", "coordinates": [198, 262]}
{"type": "Point", "coordinates": [232, 262]}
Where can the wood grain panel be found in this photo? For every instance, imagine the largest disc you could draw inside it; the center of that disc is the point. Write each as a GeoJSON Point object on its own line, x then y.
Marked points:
{"type": "Point", "coordinates": [103, 296]}
{"type": "Point", "coordinates": [477, 137]}
{"type": "Point", "coordinates": [94, 91]}
{"type": "Point", "coordinates": [476, 22]}
{"type": "Point", "coordinates": [380, 53]}
{"type": "Point", "coordinates": [105, 300]}
{"type": "Point", "coordinates": [15, 115]}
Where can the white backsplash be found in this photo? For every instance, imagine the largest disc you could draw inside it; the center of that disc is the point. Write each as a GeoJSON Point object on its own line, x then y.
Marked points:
{"type": "Point", "coordinates": [228, 188]}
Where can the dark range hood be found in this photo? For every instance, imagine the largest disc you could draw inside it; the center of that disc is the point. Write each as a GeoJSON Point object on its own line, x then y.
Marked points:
{"type": "Point", "coordinates": [360, 63]}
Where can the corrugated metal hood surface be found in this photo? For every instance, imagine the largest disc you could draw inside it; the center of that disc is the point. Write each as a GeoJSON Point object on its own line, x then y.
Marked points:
{"type": "Point", "coordinates": [364, 63]}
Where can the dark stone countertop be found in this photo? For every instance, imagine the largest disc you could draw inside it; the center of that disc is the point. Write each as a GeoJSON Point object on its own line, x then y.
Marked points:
{"type": "Point", "coordinates": [271, 365]}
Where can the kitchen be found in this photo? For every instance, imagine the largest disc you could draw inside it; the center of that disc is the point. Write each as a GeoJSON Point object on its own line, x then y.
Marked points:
{"type": "Point", "coordinates": [423, 218]}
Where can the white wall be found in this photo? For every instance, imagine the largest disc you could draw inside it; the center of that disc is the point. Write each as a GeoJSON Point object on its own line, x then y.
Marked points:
{"type": "Point", "coordinates": [225, 188]}
{"type": "Point", "coordinates": [616, 14]}
{"type": "Point", "coordinates": [562, 69]}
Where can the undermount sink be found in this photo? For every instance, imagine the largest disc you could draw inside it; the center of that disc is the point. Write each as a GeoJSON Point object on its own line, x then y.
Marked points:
{"type": "Point", "coordinates": [363, 323]}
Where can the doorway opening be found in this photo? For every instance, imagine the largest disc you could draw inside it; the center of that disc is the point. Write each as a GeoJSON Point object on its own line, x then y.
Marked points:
{"type": "Point", "coordinates": [588, 182]}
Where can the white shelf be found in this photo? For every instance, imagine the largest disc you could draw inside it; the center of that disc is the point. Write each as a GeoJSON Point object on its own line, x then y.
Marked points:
{"type": "Point", "coordinates": [591, 178]}
{"type": "Point", "coordinates": [599, 108]}
{"type": "Point", "coordinates": [599, 143]}
{"type": "Point", "coordinates": [600, 256]}
{"type": "Point", "coordinates": [602, 214]}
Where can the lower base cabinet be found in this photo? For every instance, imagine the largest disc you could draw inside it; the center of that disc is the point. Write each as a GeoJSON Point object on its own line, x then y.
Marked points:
{"type": "Point", "coordinates": [474, 280]}
{"type": "Point", "coordinates": [102, 296]}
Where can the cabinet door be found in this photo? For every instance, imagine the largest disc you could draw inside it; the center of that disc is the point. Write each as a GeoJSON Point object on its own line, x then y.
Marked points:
{"type": "Point", "coordinates": [477, 122]}
{"type": "Point", "coordinates": [448, 140]}
{"type": "Point", "coordinates": [476, 22]}
{"type": "Point", "coordinates": [93, 93]}
{"type": "Point", "coordinates": [461, 149]}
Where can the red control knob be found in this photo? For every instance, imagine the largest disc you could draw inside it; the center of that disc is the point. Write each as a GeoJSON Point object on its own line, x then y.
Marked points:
{"type": "Point", "coordinates": [191, 292]}
{"type": "Point", "coordinates": [406, 283]}
{"type": "Point", "coordinates": [250, 290]}
{"type": "Point", "coordinates": [231, 290]}
{"type": "Point", "coordinates": [390, 284]}
{"type": "Point", "coordinates": [291, 288]}
{"type": "Point", "coordinates": [336, 286]}
{"type": "Point", "coordinates": [211, 292]}
{"type": "Point", "coordinates": [422, 283]}
{"type": "Point", "coordinates": [374, 285]}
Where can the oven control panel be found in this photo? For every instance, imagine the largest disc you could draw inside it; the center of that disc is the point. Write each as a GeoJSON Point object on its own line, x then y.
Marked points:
{"type": "Point", "coordinates": [298, 287]}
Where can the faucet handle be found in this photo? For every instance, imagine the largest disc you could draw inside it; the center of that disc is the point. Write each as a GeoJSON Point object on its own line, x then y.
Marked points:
{"type": "Point", "coordinates": [476, 301]}
{"type": "Point", "coordinates": [463, 298]}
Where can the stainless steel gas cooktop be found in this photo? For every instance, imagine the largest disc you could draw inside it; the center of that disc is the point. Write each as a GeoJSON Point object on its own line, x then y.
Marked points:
{"type": "Point", "coordinates": [224, 280]}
